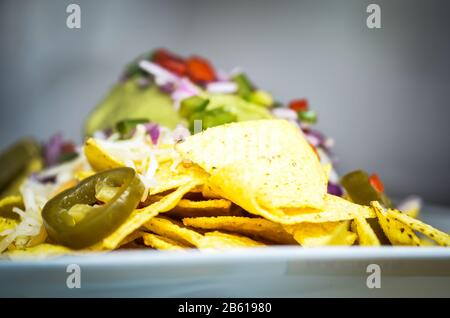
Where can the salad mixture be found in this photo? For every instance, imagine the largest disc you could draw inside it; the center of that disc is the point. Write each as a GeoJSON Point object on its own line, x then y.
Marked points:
{"type": "Point", "coordinates": [181, 155]}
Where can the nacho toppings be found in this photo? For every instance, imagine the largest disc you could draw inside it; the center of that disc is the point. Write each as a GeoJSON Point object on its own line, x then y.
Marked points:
{"type": "Point", "coordinates": [240, 185]}
{"type": "Point", "coordinates": [255, 173]}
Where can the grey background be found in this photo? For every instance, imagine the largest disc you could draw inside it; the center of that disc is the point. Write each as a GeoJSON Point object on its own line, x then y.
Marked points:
{"type": "Point", "coordinates": [382, 94]}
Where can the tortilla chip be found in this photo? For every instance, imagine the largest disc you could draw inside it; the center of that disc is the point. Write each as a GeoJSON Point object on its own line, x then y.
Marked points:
{"type": "Point", "coordinates": [427, 242]}
{"type": "Point", "coordinates": [219, 240]}
{"type": "Point", "coordinates": [81, 175]}
{"type": "Point", "coordinates": [168, 178]}
{"type": "Point", "coordinates": [341, 236]}
{"type": "Point", "coordinates": [440, 237]}
{"type": "Point", "coordinates": [366, 235]}
{"type": "Point", "coordinates": [131, 237]}
{"type": "Point", "coordinates": [334, 208]}
{"type": "Point", "coordinates": [161, 243]}
{"type": "Point", "coordinates": [98, 158]}
{"type": "Point", "coordinates": [197, 190]}
{"type": "Point", "coordinates": [321, 234]}
{"type": "Point", "coordinates": [397, 232]}
{"type": "Point", "coordinates": [173, 230]}
{"type": "Point", "coordinates": [208, 192]}
{"type": "Point", "coordinates": [257, 228]}
{"type": "Point", "coordinates": [270, 158]}
{"type": "Point", "coordinates": [140, 216]}
{"type": "Point", "coordinates": [40, 251]}
{"type": "Point", "coordinates": [7, 225]}
{"type": "Point", "coordinates": [411, 206]}
{"type": "Point", "coordinates": [188, 208]}
{"type": "Point", "coordinates": [327, 168]}
{"type": "Point", "coordinates": [414, 212]}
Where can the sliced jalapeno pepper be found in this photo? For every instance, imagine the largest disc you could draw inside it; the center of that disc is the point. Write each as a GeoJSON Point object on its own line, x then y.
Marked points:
{"type": "Point", "coordinates": [358, 186]}
{"type": "Point", "coordinates": [361, 191]}
{"type": "Point", "coordinates": [15, 162]}
{"type": "Point", "coordinates": [75, 219]}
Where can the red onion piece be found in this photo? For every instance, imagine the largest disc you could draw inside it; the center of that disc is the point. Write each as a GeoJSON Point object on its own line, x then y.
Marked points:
{"type": "Point", "coordinates": [154, 132]}
{"type": "Point", "coordinates": [334, 189]}
{"type": "Point", "coordinates": [52, 149]}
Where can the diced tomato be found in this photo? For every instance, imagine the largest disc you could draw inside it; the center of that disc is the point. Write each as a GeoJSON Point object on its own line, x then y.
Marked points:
{"type": "Point", "coordinates": [170, 61]}
{"type": "Point", "coordinates": [200, 70]}
{"type": "Point", "coordinates": [299, 105]}
{"type": "Point", "coordinates": [174, 66]}
{"type": "Point", "coordinates": [376, 183]}
{"type": "Point", "coordinates": [68, 147]}
{"type": "Point", "coordinates": [161, 54]}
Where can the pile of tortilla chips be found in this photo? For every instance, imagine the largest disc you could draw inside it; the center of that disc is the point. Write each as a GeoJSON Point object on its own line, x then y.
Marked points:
{"type": "Point", "coordinates": [247, 184]}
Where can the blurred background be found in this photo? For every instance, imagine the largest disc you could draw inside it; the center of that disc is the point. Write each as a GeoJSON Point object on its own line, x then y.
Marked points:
{"type": "Point", "coordinates": [383, 94]}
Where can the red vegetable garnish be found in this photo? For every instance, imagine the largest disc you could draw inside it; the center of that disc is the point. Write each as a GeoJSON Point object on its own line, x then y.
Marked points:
{"type": "Point", "coordinates": [174, 66]}
{"type": "Point", "coordinates": [170, 61]}
{"type": "Point", "coordinates": [376, 183]}
{"type": "Point", "coordinates": [199, 70]}
{"type": "Point", "coordinates": [160, 54]}
{"type": "Point", "coordinates": [299, 105]}
{"type": "Point", "coordinates": [68, 147]}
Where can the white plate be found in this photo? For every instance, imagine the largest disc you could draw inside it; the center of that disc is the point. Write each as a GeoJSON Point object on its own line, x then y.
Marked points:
{"type": "Point", "coordinates": [268, 272]}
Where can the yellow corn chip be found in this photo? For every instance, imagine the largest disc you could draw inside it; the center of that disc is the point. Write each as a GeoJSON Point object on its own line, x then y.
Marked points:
{"type": "Point", "coordinates": [353, 227]}
{"type": "Point", "coordinates": [414, 213]}
{"type": "Point", "coordinates": [411, 206]}
{"type": "Point", "coordinates": [168, 178]}
{"type": "Point", "coordinates": [440, 237]}
{"type": "Point", "coordinates": [397, 232]}
{"type": "Point", "coordinates": [327, 168]}
{"type": "Point", "coordinates": [81, 175]}
{"type": "Point", "coordinates": [141, 216]}
{"type": "Point", "coordinates": [427, 242]}
{"type": "Point", "coordinates": [98, 158]}
{"type": "Point", "coordinates": [40, 251]}
{"type": "Point", "coordinates": [341, 236]}
{"type": "Point", "coordinates": [209, 193]}
{"type": "Point", "coordinates": [193, 205]}
{"type": "Point", "coordinates": [253, 227]}
{"type": "Point", "coordinates": [196, 190]}
{"type": "Point", "coordinates": [162, 243]}
{"type": "Point", "coordinates": [271, 157]}
{"type": "Point", "coordinates": [188, 208]}
{"type": "Point", "coordinates": [333, 209]}
{"type": "Point", "coordinates": [366, 235]}
{"type": "Point", "coordinates": [132, 237]}
{"type": "Point", "coordinates": [321, 234]}
{"type": "Point", "coordinates": [7, 225]}
{"type": "Point", "coordinates": [173, 230]}
{"type": "Point", "coordinates": [218, 240]}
